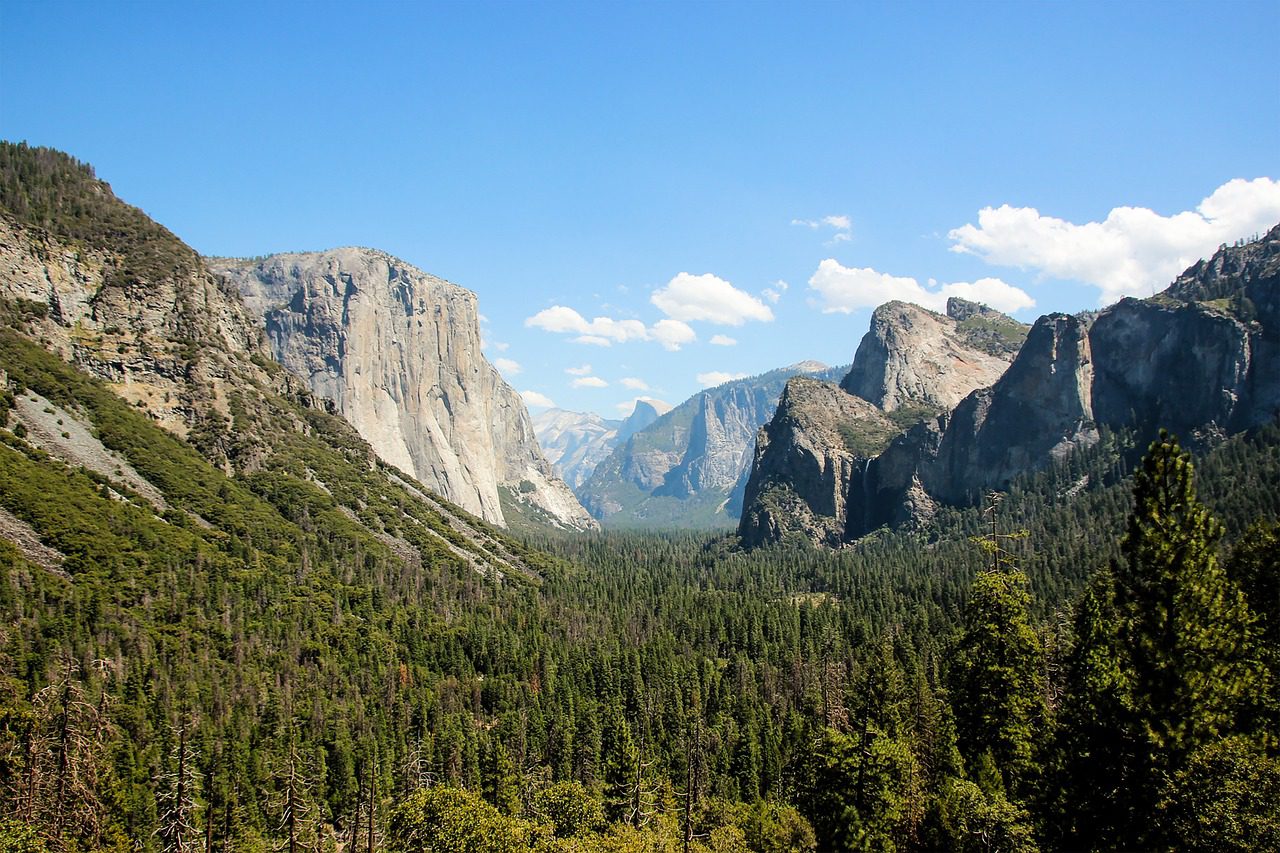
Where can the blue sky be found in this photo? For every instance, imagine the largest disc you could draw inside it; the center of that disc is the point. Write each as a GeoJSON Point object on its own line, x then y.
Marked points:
{"type": "Point", "coordinates": [663, 166]}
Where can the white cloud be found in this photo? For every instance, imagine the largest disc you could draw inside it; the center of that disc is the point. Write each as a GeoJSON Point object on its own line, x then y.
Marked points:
{"type": "Point", "coordinates": [773, 294]}
{"type": "Point", "coordinates": [500, 346]}
{"type": "Point", "coordinates": [605, 331]}
{"type": "Point", "coordinates": [589, 382]}
{"type": "Point", "coordinates": [584, 370]}
{"type": "Point", "coordinates": [842, 225]}
{"type": "Point", "coordinates": [533, 398]}
{"type": "Point", "coordinates": [848, 289]}
{"type": "Point", "coordinates": [558, 318]}
{"type": "Point", "coordinates": [707, 297]}
{"type": "Point", "coordinates": [723, 340]}
{"type": "Point", "coordinates": [1134, 251]}
{"type": "Point", "coordinates": [672, 334]}
{"type": "Point", "coordinates": [635, 384]}
{"type": "Point", "coordinates": [508, 366]}
{"type": "Point", "coordinates": [717, 377]}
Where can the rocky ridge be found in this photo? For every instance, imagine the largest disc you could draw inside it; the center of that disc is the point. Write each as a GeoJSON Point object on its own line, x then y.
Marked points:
{"type": "Point", "coordinates": [576, 442]}
{"type": "Point", "coordinates": [915, 358]}
{"type": "Point", "coordinates": [911, 365]}
{"type": "Point", "coordinates": [689, 468]}
{"type": "Point", "coordinates": [397, 353]}
{"type": "Point", "coordinates": [1199, 359]}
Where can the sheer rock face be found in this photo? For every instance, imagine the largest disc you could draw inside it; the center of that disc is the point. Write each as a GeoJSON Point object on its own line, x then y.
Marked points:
{"type": "Point", "coordinates": [806, 458]}
{"type": "Point", "coordinates": [913, 357]}
{"type": "Point", "coordinates": [912, 362]}
{"type": "Point", "coordinates": [398, 353]}
{"type": "Point", "coordinates": [1199, 359]}
{"type": "Point", "coordinates": [176, 345]}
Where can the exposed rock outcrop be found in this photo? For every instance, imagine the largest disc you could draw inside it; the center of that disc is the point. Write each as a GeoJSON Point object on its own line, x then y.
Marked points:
{"type": "Point", "coordinates": [805, 459]}
{"type": "Point", "coordinates": [916, 358]}
{"type": "Point", "coordinates": [398, 353]}
{"type": "Point", "coordinates": [689, 468]}
{"type": "Point", "coordinates": [1199, 359]}
{"type": "Point", "coordinates": [910, 366]}
{"type": "Point", "coordinates": [171, 341]}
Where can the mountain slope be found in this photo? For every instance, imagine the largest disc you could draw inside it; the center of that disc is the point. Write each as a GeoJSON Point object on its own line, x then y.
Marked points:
{"type": "Point", "coordinates": [1199, 359]}
{"type": "Point", "coordinates": [910, 365]}
{"type": "Point", "coordinates": [576, 442]}
{"type": "Point", "coordinates": [688, 468]}
{"type": "Point", "coordinates": [397, 352]}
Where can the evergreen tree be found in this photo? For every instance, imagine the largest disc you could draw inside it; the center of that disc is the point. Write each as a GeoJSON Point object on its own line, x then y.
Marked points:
{"type": "Point", "coordinates": [1165, 662]}
{"type": "Point", "coordinates": [997, 682]}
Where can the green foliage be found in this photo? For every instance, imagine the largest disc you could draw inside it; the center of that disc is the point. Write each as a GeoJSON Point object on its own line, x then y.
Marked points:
{"type": "Point", "coordinates": [19, 837]}
{"type": "Point", "coordinates": [968, 819]}
{"type": "Point", "coordinates": [997, 683]}
{"type": "Point", "coordinates": [569, 808]}
{"type": "Point", "coordinates": [50, 190]}
{"type": "Point", "coordinates": [1166, 664]}
{"type": "Point", "coordinates": [1225, 799]}
{"type": "Point", "coordinates": [453, 820]}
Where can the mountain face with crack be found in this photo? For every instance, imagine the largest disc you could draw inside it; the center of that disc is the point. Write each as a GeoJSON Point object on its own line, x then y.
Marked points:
{"type": "Point", "coordinates": [397, 353]}
{"type": "Point", "coordinates": [1199, 359]}
{"type": "Point", "coordinates": [576, 442]}
{"type": "Point", "coordinates": [689, 467]}
{"type": "Point", "coordinates": [911, 365]}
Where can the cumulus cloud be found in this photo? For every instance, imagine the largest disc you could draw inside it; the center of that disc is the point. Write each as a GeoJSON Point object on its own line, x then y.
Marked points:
{"type": "Point", "coordinates": [589, 382]}
{"type": "Point", "coordinates": [635, 384]}
{"type": "Point", "coordinates": [723, 340]}
{"type": "Point", "coordinates": [847, 289]}
{"type": "Point", "coordinates": [534, 398]}
{"type": "Point", "coordinates": [606, 331]}
{"type": "Point", "coordinates": [717, 377]}
{"type": "Point", "coordinates": [558, 318]}
{"type": "Point", "coordinates": [774, 293]}
{"type": "Point", "coordinates": [708, 297]}
{"type": "Point", "coordinates": [1134, 251]}
{"type": "Point", "coordinates": [584, 370]}
{"type": "Point", "coordinates": [672, 334]}
{"type": "Point", "coordinates": [508, 366]}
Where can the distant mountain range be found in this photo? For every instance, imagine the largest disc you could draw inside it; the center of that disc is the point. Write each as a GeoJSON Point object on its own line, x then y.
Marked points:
{"type": "Point", "coordinates": [688, 468]}
{"type": "Point", "coordinates": [575, 442]}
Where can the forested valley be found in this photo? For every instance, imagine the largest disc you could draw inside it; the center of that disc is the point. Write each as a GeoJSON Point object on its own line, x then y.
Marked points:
{"type": "Point", "coordinates": [261, 637]}
{"type": "Point", "coordinates": [1066, 668]}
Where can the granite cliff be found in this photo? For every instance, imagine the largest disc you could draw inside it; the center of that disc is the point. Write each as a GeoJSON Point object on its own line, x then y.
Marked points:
{"type": "Point", "coordinates": [1199, 359]}
{"type": "Point", "coordinates": [911, 365]}
{"type": "Point", "coordinates": [576, 442]}
{"type": "Point", "coordinates": [397, 353]}
{"type": "Point", "coordinates": [689, 468]}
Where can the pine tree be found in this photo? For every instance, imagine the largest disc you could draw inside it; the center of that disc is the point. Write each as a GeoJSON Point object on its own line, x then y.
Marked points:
{"type": "Point", "coordinates": [1165, 661]}
{"type": "Point", "coordinates": [997, 674]}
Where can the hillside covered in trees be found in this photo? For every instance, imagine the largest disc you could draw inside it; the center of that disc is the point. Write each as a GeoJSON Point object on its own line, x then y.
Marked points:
{"type": "Point", "coordinates": [258, 637]}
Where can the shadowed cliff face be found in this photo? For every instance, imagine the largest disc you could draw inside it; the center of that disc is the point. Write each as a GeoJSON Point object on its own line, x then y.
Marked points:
{"type": "Point", "coordinates": [806, 457]}
{"type": "Point", "coordinates": [398, 353]}
{"type": "Point", "coordinates": [810, 475]}
{"type": "Point", "coordinates": [1199, 359]}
